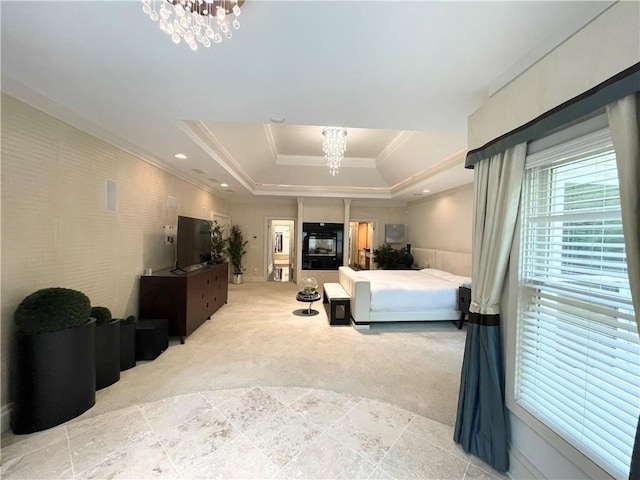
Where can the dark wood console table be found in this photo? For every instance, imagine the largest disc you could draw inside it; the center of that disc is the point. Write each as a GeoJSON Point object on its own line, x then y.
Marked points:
{"type": "Point", "coordinates": [186, 299]}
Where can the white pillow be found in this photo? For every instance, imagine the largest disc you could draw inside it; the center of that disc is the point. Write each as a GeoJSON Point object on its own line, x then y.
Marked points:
{"type": "Point", "coordinates": [435, 272]}
{"type": "Point", "coordinates": [451, 277]}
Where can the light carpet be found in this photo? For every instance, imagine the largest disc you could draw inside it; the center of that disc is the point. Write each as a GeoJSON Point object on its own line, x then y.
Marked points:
{"type": "Point", "coordinates": [257, 340]}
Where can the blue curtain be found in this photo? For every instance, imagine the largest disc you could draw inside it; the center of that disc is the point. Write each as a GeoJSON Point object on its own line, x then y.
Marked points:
{"type": "Point", "coordinates": [482, 424]}
{"type": "Point", "coordinates": [634, 469]}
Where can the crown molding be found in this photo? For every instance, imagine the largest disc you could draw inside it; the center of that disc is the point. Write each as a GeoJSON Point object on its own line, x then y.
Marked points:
{"type": "Point", "coordinates": [204, 137]}
{"type": "Point", "coordinates": [444, 193]}
{"type": "Point", "coordinates": [374, 203]}
{"type": "Point", "coordinates": [319, 161]}
{"type": "Point", "coordinates": [321, 191]}
{"type": "Point", "coordinates": [397, 141]}
{"type": "Point", "coordinates": [454, 160]}
{"type": "Point", "coordinates": [268, 133]}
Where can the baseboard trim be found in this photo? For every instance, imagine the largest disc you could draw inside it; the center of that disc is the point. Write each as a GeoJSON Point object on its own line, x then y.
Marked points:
{"type": "Point", "coordinates": [521, 468]}
{"type": "Point", "coordinates": [5, 418]}
{"type": "Point", "coordinates": [360, 325]}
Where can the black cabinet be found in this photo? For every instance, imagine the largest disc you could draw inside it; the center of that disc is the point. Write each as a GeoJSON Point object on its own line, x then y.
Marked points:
{"type": "Point", "coordinates": [152, 338]}
{"type": "Point", "coordinates": [322, 246]}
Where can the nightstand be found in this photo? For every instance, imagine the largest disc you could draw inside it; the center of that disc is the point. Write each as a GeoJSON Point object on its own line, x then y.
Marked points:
{"type": "Point", "coordinates": [464, 300]}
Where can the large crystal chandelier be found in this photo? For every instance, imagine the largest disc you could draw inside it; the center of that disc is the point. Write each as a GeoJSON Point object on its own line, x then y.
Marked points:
{"type": "Point", "coordinates": [195, 21]}
{"type": "Point", "coordinates": [334, 145]}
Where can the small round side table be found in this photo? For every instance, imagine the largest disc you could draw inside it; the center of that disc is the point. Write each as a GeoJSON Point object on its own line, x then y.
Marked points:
{"type": "Point", "coordinates": [309, 298]}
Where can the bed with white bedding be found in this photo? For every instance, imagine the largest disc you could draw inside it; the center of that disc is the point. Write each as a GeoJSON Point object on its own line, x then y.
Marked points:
{"type": "Point", "coordinates": [406, 295]}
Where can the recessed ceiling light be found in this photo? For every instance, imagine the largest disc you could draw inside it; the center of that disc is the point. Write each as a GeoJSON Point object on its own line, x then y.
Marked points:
{"type": "Point", "coordinates": [181, 156]}
{"type": "Point", "coordinates": [224, 185]}
{"type": "Point", "coordinates": [425, 191]}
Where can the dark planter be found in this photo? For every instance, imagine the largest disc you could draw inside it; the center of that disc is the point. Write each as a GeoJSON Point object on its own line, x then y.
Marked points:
{"type": "Point", "coordinates": [55, 377]}
{"type": "Point", "coordinates": [127, 343]}
{"type": "Point", "coordinates": [107, 354]}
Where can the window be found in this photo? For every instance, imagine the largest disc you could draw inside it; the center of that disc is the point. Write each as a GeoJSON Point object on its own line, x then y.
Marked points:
{"type": "Point", "coordinates": [577, 345]}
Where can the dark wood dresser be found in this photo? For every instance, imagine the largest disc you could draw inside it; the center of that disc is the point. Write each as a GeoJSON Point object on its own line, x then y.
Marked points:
{"type": "Point", "coordinates": [185, 299]}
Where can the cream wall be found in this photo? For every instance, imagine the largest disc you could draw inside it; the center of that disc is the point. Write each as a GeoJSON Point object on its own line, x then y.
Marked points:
{"type": "Point", "coordinates": [443, 221]}
{"type": "Point", "coordinates": [384, 215]}
{"type": "Point", "coordinates": [251, 217]}
{"type": "Point", "coordinates": [55, 229]}
{"type": "Point", "coordinates": [330, 210]}
{"type": "Point", "coordinates": [604, 47]}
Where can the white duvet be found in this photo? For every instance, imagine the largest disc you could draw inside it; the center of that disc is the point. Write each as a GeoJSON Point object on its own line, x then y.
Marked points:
{"type": "Point", "coordinates": [413, 290]}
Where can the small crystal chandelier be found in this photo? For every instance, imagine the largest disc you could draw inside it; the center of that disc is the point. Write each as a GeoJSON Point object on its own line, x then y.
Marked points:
{"type": "Point", "coordinates": [195, 21]}
{"type": "Point", "coordinates": [334, 145]}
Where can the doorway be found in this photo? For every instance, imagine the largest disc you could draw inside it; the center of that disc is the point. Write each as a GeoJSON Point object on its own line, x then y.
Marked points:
{"type": "Point", "coordinates": [362, 242]}
{"type": "Point", "coordinates": [281, 250]}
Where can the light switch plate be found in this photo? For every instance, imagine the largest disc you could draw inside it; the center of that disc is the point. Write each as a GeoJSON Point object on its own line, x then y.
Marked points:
{"type": "Point", "coordinates": [169, 232]}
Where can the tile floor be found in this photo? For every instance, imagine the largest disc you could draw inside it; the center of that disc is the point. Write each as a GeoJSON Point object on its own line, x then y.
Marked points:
{"type": "Point", "coordinates": [260, 432]}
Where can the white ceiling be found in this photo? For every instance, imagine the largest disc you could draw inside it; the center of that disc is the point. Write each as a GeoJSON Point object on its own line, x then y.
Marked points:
{"type": "Point", "coordinates": [401, 76]}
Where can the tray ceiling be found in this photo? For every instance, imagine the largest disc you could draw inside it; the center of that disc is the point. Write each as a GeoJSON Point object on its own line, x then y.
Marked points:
{"type": "Point", "coordinates": [402, 77]}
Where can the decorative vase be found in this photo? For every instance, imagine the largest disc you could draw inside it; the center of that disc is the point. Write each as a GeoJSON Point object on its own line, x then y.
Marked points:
{"type": "Point", "coordinates": [309, 286]}
{"type": "Point", "coordinates": [407, 258]}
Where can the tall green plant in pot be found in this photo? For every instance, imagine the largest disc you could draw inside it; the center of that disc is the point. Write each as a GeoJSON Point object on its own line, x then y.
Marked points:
{"type": "Point", "coordinates": [217, 242]}
{"type": "Point", "coordinates": [53, 368]}
{"type": "Point", "coordinates": [236, 250]}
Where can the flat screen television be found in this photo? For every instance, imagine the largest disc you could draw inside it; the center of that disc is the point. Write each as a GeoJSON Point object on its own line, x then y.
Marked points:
{"type": "Point", "coordinates": [322, 246]}
{"type": "Point", "coordinates": [193, 243]}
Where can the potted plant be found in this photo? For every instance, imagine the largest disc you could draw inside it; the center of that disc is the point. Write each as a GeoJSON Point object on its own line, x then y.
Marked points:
{"type": "Point", "coordinates": [388, 258]}
{"type": "Point", "coordinates": [54, 363]}
{"type": "Point", "coordinates": [107, 357]}
{"type": "Point", "coordinates": [217, 242]}
{"type": "Point", "coordinates": [127, 343]}
{"type": "Point", "coordinates": [385, 256]}
{"type": "Point", "coordinates": [235, 250]}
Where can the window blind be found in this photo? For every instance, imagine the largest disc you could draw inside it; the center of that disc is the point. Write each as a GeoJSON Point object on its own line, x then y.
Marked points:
{"type": "Point", "coordinates": [577, 360]}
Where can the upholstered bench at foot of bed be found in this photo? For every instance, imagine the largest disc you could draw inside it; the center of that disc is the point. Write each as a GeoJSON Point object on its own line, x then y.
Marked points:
{"type": "Point", "coordinates": [337, 298]}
